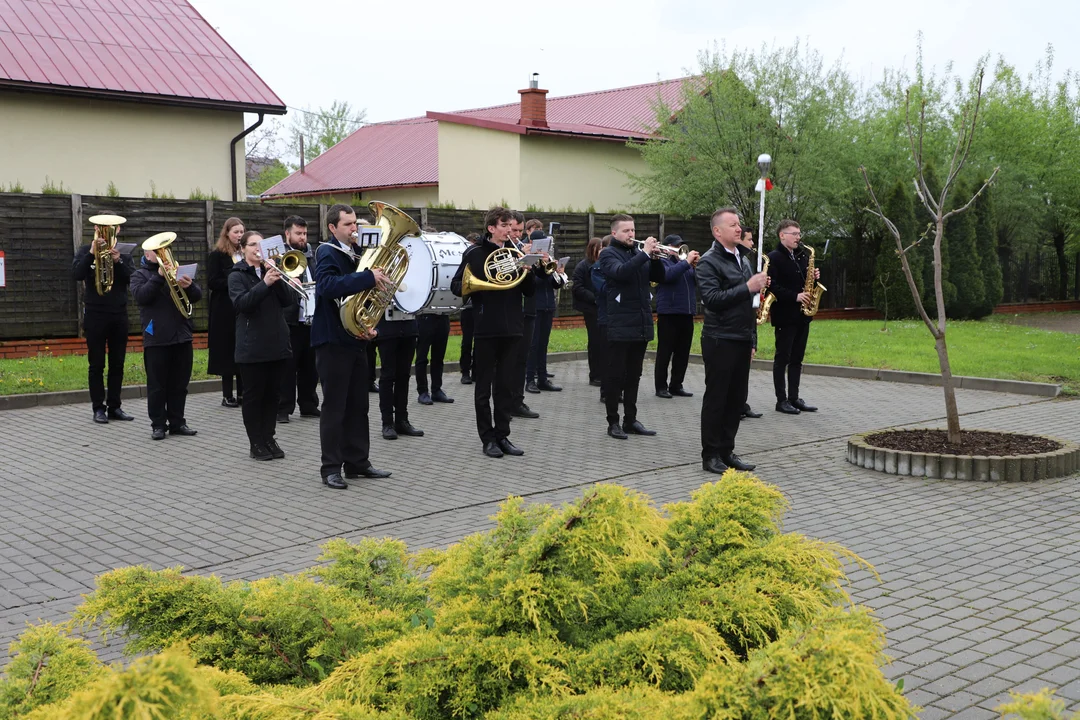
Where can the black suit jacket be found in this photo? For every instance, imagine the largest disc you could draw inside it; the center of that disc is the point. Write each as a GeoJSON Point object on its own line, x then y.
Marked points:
{"type": "Point", "coordinates": [788, 278]}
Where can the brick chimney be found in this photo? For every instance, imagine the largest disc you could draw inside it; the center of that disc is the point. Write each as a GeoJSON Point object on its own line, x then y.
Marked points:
{"type": "Point", "coordinates": [533, 104]}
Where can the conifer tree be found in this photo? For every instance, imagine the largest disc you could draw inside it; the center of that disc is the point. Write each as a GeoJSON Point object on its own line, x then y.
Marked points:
{"type": "Point", "coordinates": [964, 262]}
{"type": "Point", "coordinates": [891, 294]}
{"type": "Point", "coordinates": [989, 262]}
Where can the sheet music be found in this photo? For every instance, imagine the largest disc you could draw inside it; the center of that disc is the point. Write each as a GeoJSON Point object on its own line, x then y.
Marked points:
{"type": "Point", "coordinates": [272, 246]}
{"type": "Point", "coordinates": [125, 248]}
{"type": "Point", "coordinates": [187, 270]}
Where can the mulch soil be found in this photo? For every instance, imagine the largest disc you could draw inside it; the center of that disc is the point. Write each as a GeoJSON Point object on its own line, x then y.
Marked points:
{"type": "Point", "coordinates": [972, 442]}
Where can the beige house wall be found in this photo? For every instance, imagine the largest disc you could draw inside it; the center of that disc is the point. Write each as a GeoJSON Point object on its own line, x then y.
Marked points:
{"type": "Point", "coordinates": [478, 167]}
{"type": "Point", "coordinates": [85, 144]}
{"type": "Point", "coordinates": [400, 197]}
{"type": "Point", "coordinates": [560, 173]}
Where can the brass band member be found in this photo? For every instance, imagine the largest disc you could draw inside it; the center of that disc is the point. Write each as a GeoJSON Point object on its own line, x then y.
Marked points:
{"type": "Point", "coordinates": [433, 333]}
{"type": "Point", "coordinates": [537, 377]}
{"type": "Point", "coordinates": [340, 357]}
{"type": "Point", "coordinates": [747, 252]}
{"type": "Point", "coordinates": [262, 342]}
{"type": "Point", "coordinates": [627, 272]}
{"type": "Point", "coordinates": [105, 322]}
{"type": "Point", "coordinates": [585, 303]}
{"type": "Point", "coordinates": [528, 323]}
{"type": "Point", "coordinates": [498, 328]}
{"type": "Point", "coordinates": [167, 350]}
{"type": "Point", "coordinates": [396, 340]}
{"type": "Point", "coordinates": [301, 378]}
{"type": "Point", "coordinates": [221, 335]}
{"type": "Point", "coordinates": [787, 271]}
{"type": "Point", "coordinates": [676, 299]}
{"type": "Point", "coordinates": [727, 286]}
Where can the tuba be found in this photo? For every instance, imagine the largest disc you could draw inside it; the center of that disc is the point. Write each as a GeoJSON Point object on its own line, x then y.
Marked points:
{"type": "Point", "coordinates": [106, 227]}
{"type": "Point", "coordinates": [503, 269]}
{"type": "Point", "coordinates": [360, 313]}
{"type": "Point", "coordinates": [811, 287]}
{"type": "Point", "coordinates": [159, 244]}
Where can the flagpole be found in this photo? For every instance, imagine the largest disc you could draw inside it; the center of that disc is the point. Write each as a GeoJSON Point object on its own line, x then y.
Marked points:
{"type": "Point", "coordinates": [763, 163]}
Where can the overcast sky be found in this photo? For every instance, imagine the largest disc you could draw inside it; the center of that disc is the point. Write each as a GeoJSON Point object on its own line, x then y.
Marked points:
{"type": "Point", "coordinates": [399, 60]}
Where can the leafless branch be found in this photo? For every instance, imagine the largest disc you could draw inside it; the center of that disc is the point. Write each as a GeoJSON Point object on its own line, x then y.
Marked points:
{"type": "Point", "coordinates": [969, 134]}
{"type": "Point", "coordinates": [957, 211]}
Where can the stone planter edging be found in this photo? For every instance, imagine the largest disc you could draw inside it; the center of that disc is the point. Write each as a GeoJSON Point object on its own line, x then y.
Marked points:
{"type": "Point", "coordinates": [1014, 468]}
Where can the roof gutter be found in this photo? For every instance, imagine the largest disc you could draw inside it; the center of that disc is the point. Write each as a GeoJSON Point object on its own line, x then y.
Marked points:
{"type": "Point", "coordinates": [232, 153]}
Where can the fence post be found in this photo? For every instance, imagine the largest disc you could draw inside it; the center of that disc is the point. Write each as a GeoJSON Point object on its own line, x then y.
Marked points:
{"type": "Point", "coordinates": [423, 217]}
{"type": "Point", "coordinates": [592, 230]}
{"type": "Point", "coordinates": [662, 233]}
{"type": "Point", "coordinates": [76, 241]}
{"type": "Point", "coordinates": [322, 221]}
{"type": "Point", "coordinates": [209, 210]}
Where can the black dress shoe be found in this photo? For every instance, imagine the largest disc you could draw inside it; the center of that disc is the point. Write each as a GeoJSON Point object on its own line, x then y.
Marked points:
{"type": "Point", "coordinates": [523, 411]}
{"type": "Point", "coordinates": [373, 387]}
{"type": "Point", "coordinates": [183, 430]}
{"type": "Point", "coordinates": [509, 448]}
{"type": "Point", "coordinates": [440, 396]}
{"type": "Point", "coordinates": [368, 472]}
{"type": "Point", "coordinates": [803, 406]}
{"type": "Point", "coordinates": [406, 428]}
{"type": "Point", "coordinates": [531, 387]}
{"type": "Point", "coordinates": [664, 394]}
{"type": "Point", "coordinates": [158, 434]}
{"type": "Point", "coordinates": [230, 402]}
{"type": "Point", "coordinates": [714, 465]}
{"type": "Point", "coordinates": [118, 414]}
{"type": "Point", "coordinates": [679, 392]}
{"type": "Point", "coordinates": [748, 413]}
{"type": "Point", "coordinates": [594, 383]}
{"type": "Point", "coordinates": [425, 399]}
{"type": "Point", "coordinates": [732, 460]}
{"type": "Point", "coordinates": [275, 449]}
{"type": "Point", "coordinates": [313, 413]}
{"type": "Point", "coordinates": [389, 433]}
{"type": "Point", "coordinates": [787, 408]}
{"type": "Point", "coordinates": [282, 418]}
{"type": "Point", "coordinates": [333, 480]}
{"type": "Point", "coordinates": [100, 417]}
{"type": "Point", "coordinates": [636, 428]}
{"type": "Point", "coordinates": [616, 432]}
{"type": "Point", "coordinates": [466, 379]}
{"type": "Point", "coordinates": [547, 374]}
{"type": "Point", "coordinates": [491, 449]}
{"type": "Point", "coordinates": [547, 386]}
{"type": "Point", "coordinates": [261, 452]}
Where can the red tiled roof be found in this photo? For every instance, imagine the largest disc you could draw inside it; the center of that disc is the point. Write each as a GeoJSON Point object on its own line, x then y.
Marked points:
{"type": "Point", "coordinates": [405, 153]}
{"type": "Point", "coordinates": [161, 50]}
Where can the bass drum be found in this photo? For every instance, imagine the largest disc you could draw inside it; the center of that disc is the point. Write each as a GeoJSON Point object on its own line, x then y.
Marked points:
{"type": "Point", "coordinates": [433, 261]}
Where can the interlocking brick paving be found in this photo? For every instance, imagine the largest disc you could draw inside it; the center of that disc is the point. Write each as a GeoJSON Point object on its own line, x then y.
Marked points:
{"type": "Point", "coordinates": [978, 585]}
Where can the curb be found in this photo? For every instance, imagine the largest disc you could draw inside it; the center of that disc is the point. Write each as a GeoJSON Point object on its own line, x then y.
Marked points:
{"type": "Point", "coordinates": [984, 468]}
{"type": "Point", "coordinates": [78, 397]}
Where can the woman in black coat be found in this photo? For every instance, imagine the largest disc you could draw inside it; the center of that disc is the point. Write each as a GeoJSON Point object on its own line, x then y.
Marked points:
{"type": "Point", "coordinates": [585, 303]}
{"type": "Point", "coordinates": [221, 338]}
{"type": "Point", "coordinates": [260, 297]}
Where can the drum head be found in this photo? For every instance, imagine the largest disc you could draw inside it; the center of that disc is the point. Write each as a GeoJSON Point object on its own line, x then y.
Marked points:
{"type": "Point", "coordinates": [419, 278]}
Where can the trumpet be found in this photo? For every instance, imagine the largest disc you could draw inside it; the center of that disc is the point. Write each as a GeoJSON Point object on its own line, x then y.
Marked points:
{"type": "Point", "coordinates": [682, 251]}
{"type": "Point", "coordinates": [293, 264]}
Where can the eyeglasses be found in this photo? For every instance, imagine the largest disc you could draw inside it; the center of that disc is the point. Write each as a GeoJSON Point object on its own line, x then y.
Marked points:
{"type": "Point", "coordinates": [796, 234]}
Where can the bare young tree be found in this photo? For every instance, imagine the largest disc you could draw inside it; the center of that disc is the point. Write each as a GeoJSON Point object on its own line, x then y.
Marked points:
{"type": "Point", "coordinates": [937, 207]}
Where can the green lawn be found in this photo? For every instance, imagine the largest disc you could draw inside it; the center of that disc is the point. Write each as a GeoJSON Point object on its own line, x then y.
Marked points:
{"type": "Point", "coordinates": [986, 348]}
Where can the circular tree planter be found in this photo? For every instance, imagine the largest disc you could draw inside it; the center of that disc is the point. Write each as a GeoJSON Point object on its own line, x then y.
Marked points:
{"type": "Point", "coordinates": [1007, 457]}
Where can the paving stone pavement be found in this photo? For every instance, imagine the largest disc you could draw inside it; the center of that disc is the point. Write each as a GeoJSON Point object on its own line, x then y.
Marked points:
{"type": "Point", "coordinates": [979, 583]}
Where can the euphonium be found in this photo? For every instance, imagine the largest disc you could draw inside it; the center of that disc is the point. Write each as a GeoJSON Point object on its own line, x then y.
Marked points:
{"type": "Point", "coordinates": [812, 287]}
{"type": "Point", "coordinates": [503, 269]}
{"type": "Point", "coordinates": [159, 244]}
{"type": "Point", "coordinates": [106, 227]}
{"type": "Point", "coordinates": [766, 297]}
{"type": "Point", "coordinates": [360, 313]}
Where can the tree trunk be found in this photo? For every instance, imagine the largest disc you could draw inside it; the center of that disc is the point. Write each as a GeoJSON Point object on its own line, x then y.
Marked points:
{"type": "Point", "coordinates": [952, 415]}
{"type": "Point", "coordinates": [1063, 265]}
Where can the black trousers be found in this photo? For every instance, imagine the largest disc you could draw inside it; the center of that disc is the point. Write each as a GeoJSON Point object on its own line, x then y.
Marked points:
{"type": "Point", "coordinates": [397, 356]}
{"type": "Point", "coordinates": [343, 425]}
{"type": "Point", "coordinates": [496, 373]}
{"type": "Point", "coordinates": [434, 333]}
{"type": "Point", "coordinates": [624, 361]}
{"type": "Point", "coordinates": [262, 396]}
{"type": "Point", "coordinates": [105, 329]}
{"type": "Point", "coordinates": [790, 349]}
{"type": "Point", "coordinates": [168, 371]}
{"type": "Point", "coordinates": [674, 335]}
{"type": "Point", "coordinates": [602, 351]}
{"type": "Point", "coordinates": [521, 360]}
{"type": "Point", "coordinates": [727, 374]}
{"type": "Point", "coordinates": [227, 385]}
{"type": "Point", "coordinates": [596, 366]}
{"type": "Point", "coordinates": [300, 376]}
{"type": "Point", "coordinates": [372, 363]}
{"type": "Point", "coordinates": [466, 361]}
{"type": "Point", "coordinates": [536, 365]}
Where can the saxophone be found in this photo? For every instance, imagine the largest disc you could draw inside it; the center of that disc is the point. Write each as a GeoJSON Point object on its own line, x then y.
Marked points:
{"type": "Point", "coordinates": [765, 298]}
{"type": "Point", "coordinates": [811, 287]}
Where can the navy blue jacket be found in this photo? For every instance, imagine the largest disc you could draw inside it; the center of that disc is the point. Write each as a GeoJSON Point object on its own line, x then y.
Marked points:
{"type": "Point", "coordinates": [677, 292]}
{"type": "Point", "coordinates": [545, 291]}
{"type": "Point", "coordinates": [161, 322]}
{"type": "Point", "coordinates": [629, 302]}
{"type": "Point", "coordinates": [335, 278]}
{"type": "Point", "coordinates": [599, 283]}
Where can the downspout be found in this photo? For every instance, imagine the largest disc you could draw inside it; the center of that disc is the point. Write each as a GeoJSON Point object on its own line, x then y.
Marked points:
{"type": "Point", "coordinates": [232, 153]}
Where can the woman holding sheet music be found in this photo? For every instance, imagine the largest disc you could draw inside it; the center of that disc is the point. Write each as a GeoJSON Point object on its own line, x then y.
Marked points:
{"type": "Point", "coordinates": [260, 297]}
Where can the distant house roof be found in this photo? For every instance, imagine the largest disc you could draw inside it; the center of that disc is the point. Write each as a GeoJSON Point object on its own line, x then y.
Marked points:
{"type": "Point", "coordinates": [405, 153]}
{"type": "Point", "coordinates": [160, 51]}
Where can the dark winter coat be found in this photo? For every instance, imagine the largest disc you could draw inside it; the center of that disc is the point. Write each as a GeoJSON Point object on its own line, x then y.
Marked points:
{"type": "Point", "coordinates": [496, 313]}
{"type": "Point", "coordinates": [788, 277]}
{"type": "Point", "coordinates": [599, 283]}
{"type": "Point", "coordinates": [584, 293]}
{"type": "Point", "coordinates": [627, 272]}
{"type": "Point", "coordinates": [545, 290]}
{"type": "Point", "coordinates": [335, 278]}
{"type": "Point", "coordinates": [162, 323]}
{"type": "Point", "coordinates": [262, 334]}
{"type": "Point", "coordinates": [677, 292]}
{"type": "Point", "coordinates": [221, 332]}
{"type": "Point", "coordinates": [728, 302]}
{"type": "Point", "coordinates": [113, 302]}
